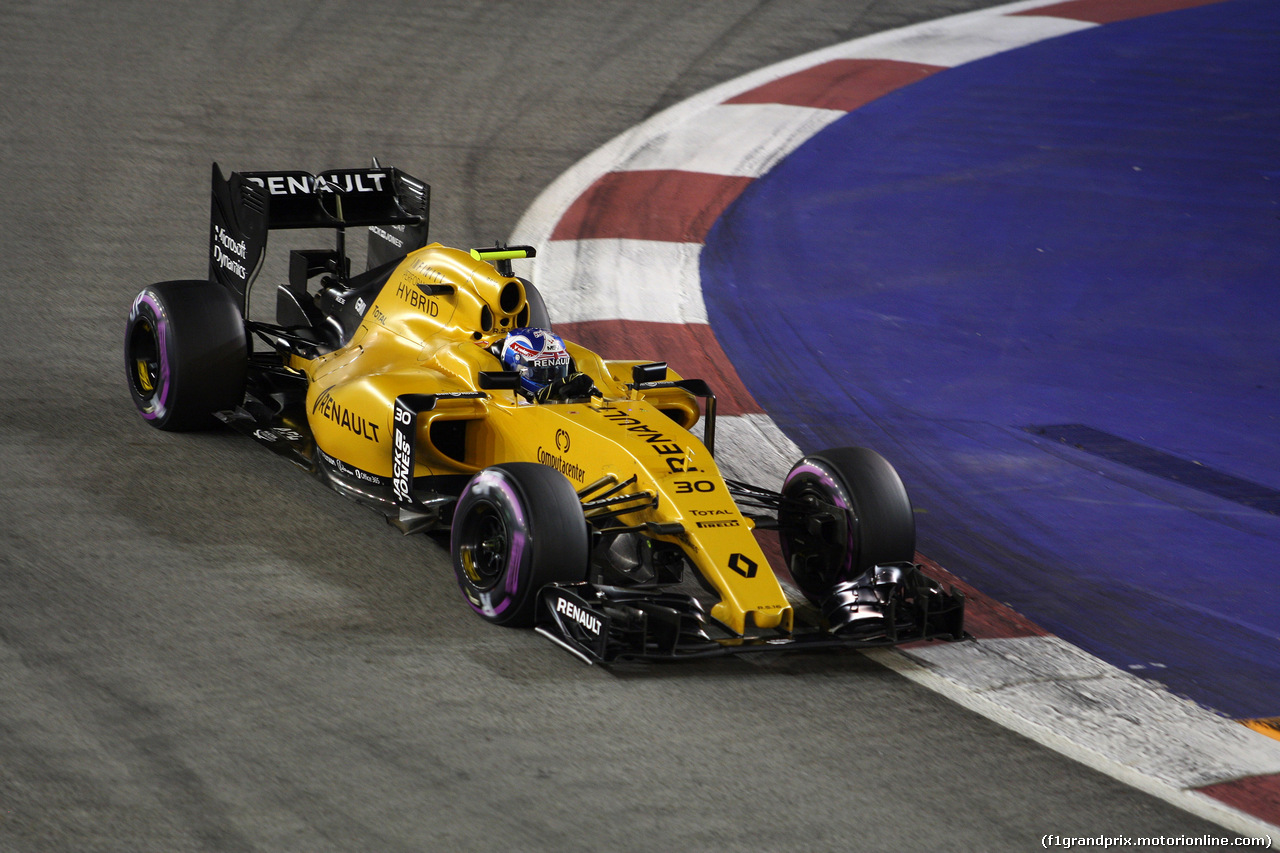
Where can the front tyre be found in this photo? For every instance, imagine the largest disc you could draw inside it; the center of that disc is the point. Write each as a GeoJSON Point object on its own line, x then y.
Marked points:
{"type": "Point", "coordinates": [186, 353]}
{"type": "Point", "coordinates": [843, 511]}
{"type": "Point", "coordinates": [517, 527]}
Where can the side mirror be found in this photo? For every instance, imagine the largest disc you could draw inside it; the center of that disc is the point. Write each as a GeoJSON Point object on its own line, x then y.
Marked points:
{"type": "Point", "coordinates": [499, 380]}
{"type": "Point", "coordinates": [654, 372]}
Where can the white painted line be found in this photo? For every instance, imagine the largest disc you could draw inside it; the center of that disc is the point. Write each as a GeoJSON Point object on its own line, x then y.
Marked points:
{"type": "Point", "coordinates": [950, 42]}
{"type": "Point", "coordinates": [1086, 699]}
{"type": "Point", "coordinates": [1088, 752]}
{"type": "Point", "coordinates": [751, 448]}
{"type": "Point", "coordinates": [732, 139]}
{"type": "Point", "coordinates": [621, 280]}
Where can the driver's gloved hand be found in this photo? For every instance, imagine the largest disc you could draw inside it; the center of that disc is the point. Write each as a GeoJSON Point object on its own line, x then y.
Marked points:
{"type": "Point", "coordinates": [571, 387]}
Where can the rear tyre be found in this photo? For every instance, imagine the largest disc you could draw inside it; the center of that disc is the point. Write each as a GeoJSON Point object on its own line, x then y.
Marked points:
{"type": "Point", "coordinates": [517, 527]}
{"type": "Point", "coordinates": [844, 511]}
{"type": "Point", "coordinates": [185, 353]}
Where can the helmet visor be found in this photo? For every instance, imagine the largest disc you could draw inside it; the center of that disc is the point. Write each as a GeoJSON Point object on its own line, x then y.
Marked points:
{"type": "Point", "coordinates": [548, 369]}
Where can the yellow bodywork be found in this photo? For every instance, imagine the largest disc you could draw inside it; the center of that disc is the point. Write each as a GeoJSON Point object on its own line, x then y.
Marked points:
{"type": "Point", "coordinates": [428, 331]}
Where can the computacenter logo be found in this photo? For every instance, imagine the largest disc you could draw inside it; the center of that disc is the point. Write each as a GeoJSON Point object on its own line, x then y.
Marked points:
{"type": "Point", "coordinates": [564, 466]}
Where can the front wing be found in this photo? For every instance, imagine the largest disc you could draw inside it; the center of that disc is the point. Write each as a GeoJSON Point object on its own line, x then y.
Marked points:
{"type": "Point", "coordinates": [888, 606]}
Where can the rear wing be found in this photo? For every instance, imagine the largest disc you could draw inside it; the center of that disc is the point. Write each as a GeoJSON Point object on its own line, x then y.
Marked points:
{"type": "Point", "coordinates": [394, 207]}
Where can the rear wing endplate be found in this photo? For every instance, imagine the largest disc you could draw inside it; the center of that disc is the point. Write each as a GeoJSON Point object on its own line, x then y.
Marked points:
{"type": "Point", "coordinates": [394, 206]}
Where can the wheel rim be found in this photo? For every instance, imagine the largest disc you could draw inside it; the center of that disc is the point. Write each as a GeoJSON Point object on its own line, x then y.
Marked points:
{"type": "Point", "coordinates": [144, 360]}
{"type": "Point", "coordinates": [820, 530]}
{"type": "Point", "coordinates": [486, 542]}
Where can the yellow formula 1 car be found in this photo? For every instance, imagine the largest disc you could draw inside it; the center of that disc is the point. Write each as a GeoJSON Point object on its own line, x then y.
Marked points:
{"type": "Point", "coordinates": [433, 387]}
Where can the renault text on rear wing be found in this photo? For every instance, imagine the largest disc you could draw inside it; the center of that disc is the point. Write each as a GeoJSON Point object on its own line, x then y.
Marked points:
{"type": "Point", "coordinates": [391, 204]}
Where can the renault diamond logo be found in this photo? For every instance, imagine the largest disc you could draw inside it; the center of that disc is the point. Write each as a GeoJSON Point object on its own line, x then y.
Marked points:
{"type": "Point", "coordinates": [743, 565]}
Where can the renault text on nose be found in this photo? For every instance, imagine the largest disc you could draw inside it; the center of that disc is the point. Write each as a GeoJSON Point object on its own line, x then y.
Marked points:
{"type": "Point", "coordinates": [672, 452]}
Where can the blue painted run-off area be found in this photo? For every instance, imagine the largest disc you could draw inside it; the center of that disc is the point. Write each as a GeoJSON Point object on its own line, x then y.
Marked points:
{"type": "Point", "coordinates": [1082, 234]}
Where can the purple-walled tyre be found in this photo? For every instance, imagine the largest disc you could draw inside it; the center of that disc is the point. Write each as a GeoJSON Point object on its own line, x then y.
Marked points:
{"type": "Point", "coordinates": [517, 527]}
{"type": "Point", "coordinates": [186, 354]}
{"type": "Point", "coordinates": [844, 511]}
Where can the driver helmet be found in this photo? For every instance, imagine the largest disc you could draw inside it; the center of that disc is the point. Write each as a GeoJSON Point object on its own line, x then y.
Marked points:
{"type": "Point", "coordinates": [538, 355]}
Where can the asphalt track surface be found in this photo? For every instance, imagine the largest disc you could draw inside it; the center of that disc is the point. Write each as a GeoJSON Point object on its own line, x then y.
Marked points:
{"type": "Point", "coordinates": [200, 649]}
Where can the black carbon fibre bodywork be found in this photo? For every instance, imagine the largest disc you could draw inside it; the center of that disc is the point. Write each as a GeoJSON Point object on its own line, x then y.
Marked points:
{"type": "Point", "coordinates": [888, 606]}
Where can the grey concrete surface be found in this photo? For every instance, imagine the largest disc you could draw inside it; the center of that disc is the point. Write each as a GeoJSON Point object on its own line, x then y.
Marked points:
{"type": "Point", "coordinates": [201, 649]}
